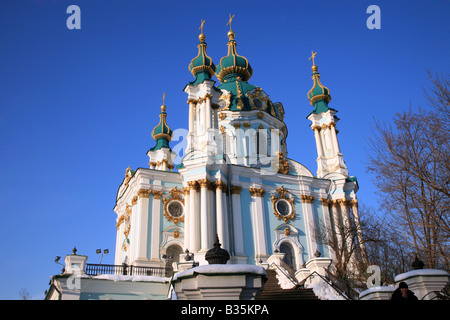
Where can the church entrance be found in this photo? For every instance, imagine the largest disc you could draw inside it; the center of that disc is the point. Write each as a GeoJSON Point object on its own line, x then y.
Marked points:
{"type": "Point", "coordinates": [289, 256]}
{"type": "Point", "coordinates": [173, 255]}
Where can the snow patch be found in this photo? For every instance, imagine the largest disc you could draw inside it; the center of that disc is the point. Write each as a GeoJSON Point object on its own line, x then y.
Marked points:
{"type": "Point", "coordinates": [222, 268]}
{"type": "Point", "coordinates": [116, 277]}
{"type": "Point", "coordinates": [324, 291]}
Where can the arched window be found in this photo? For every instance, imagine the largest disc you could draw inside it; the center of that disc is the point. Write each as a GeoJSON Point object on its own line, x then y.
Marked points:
{"type": "Point", "coordinates": [172, 255]}
{"type": "Point", "coordinates": [289, 254]}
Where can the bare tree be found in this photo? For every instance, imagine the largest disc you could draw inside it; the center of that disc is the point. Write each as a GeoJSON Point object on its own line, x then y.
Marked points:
{"type": "Point", "coordinates": [24, 294]}
{"type": "Point", "coordinates": [411, 165]}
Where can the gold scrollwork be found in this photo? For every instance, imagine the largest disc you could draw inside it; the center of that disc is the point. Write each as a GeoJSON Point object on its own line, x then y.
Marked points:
{"type": "Point", "coordinates": [283, 194]}
{"type": "Point", "coordinates": [175, 195]}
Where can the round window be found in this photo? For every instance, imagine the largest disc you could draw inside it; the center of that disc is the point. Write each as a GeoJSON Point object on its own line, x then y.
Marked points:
{"type": "Point", "coordinates": [283, 207]}
{"type": "Point", "coordinates": [175, 209]}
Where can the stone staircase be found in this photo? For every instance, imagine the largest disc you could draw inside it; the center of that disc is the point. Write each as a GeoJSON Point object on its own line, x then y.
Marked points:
{"type": "Point", "coordinates": [273, 291]}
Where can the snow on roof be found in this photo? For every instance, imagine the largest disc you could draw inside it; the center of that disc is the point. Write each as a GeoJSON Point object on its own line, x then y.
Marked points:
{"type": "Point", "coordinates": [421, 272]}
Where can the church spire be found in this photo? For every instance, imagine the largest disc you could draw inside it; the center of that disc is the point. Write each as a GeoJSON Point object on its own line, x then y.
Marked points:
{"type": "Point", "coordinates": [233, 65]}
{"type": "Point", "coordinates": [162, 133]}
{"type": "Point", "coordinates": [202, 66]}
{"type": "Point", "coordinates": [319, 95]}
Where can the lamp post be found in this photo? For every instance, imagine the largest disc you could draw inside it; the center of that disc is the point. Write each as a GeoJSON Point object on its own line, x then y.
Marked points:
{"type": "Point", "coordinates": [57, 262]}
{"type": "Point", "coordinates": [99, 251]}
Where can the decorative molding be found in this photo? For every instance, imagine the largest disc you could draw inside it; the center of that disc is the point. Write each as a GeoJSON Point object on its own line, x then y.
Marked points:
{"type": "Point", "coordinates": [134, 200]}
{"type": "Point", "coordinates": [236, 189]}
{"type": "Point", "coordinates": [256, 192]}
{"type": "Point", "coordinates": [283, 194]}
{"type": "Point", "coordinates": [283, 164]}
{"type": "Point", "coordinates": [193, 185]}
{"type": "Point", "coordinates": [157, 194]}
{"type": "Point", "coordinates": [203, 183]}
{"type": "Point", "coordinates": [174, 195]}
{"type": "Point", "coordinates": [220, 185]}
{"type": "Point", "coordinates": [307, 198]}
{"type": "Point", "coordinates": [143, 193]}
{"type": "Point", "coordinates": [325, 202]}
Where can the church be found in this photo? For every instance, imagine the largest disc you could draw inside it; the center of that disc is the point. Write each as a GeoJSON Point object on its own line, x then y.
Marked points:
{"type": "Point", "coordinates": [235, 180]}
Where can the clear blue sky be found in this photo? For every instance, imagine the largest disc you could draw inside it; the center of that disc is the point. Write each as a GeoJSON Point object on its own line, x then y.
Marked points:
{"type": "Point", "coordinates": [77, 107]}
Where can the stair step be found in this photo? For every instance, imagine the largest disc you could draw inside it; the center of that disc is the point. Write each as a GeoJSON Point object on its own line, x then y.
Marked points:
{"type": "Point", "coordinates": [273, 291]}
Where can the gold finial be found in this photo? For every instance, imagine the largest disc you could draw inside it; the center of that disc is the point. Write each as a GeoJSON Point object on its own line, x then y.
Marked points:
{"type": "Point", "coordinates": [201, 37]}
{"type": "Point", "coordinates": [313, 54]}
{"type": "Point", "coordinates": [163, 107]}
{"type": "Point", "coordinates": [201, 26]}
{"type": "Point", "coordinates": [231, 32]}
{"type": "Point", "coordinates": [229, 21]}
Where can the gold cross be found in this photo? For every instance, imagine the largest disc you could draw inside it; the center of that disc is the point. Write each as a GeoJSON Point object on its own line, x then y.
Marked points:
{"type": "Point", "coordinates": [313, 54]}
{"type": "Point", "coordinates": [201, 26]}
{"type": "Point", "coordinates": [229, 21]}
{"type": "Point", "coordinates": [164, 97]}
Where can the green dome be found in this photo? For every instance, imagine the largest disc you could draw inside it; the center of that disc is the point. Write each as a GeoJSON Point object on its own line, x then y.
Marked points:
{"type": "Point", "coordinates": [319, 95]}
{"type": "Point", "coordinates": [162, 133]}
{"type": "Point", "coordinates": [233, 65]}
{"type": "Point", "coordinates": [202, 66]}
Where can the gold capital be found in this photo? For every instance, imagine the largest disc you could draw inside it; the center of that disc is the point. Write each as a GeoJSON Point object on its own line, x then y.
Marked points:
{"type": "Point", "coordinates": [236, 189]}
{"type": "Point", "coordinates": [157, 194]}
{"type": "Point", "coordinates": [143, 193]}
{"type": "Point", "coordinates": [257, 192]}
{"type": "Point", "coordinates": [307, 198]}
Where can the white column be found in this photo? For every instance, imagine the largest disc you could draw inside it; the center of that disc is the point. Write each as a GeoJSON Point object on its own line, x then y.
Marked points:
{"type": "Point", "coordinates": [318, 141]}
{"type": "Point", "coordinates": [133, 236]}
{"type": "Point", "coordinates": [202, 119]}
{"type": "Point", "coordinates": [211, 209]}
{"type": "Point", "coordinates": [191, 116]}
{"type": "Point", "coordinates": [307, 206]}
{"type": "Point", "coordinates": [354, 204]}
{"type": "Point", "coordinates": [328, 225]}
{"type": "Point", "coordinates": [156, 220]}
{"type": "Point", "coordinates": [187, 221]}
{"type": "Point", "coordinates": [194, 229]}
{"type": "Point", "coordinates": [204, 218]}
{"type": "Point", "coordinates": [220, 225]}
{"type": "Point", "coordinates": [347, 222]}
{"type": "Point", "coordinates": [226, 234]}
{"type": "Point", "coordinates": [259, 223]}
{"type": "Point", "coordinates": [337, 223]}
{"type": "Point", "coordinates": [117, 259]}
{"type": "Point", "coordinates": [237, 221]}
{"type": "Point", "coordinates": [208, 112]}
{"type": "Point", "coordinates": [334, 137]}
{"type": "Point", "coordinates": [142, 232]}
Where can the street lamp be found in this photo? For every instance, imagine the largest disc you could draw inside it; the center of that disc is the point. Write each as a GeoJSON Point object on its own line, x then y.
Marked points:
{"type": "Point", "coordinates": [99, 251]}
{"type": "Point", "coordinates": [57, 261]}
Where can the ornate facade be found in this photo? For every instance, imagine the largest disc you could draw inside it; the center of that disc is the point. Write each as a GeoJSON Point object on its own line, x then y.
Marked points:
{"type": "Point", "coordinates": [235, 179]}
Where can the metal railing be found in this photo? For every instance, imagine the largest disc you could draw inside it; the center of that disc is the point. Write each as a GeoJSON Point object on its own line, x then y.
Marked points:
{"type": "Point", "coordinates": [124, 269]}
{"type": "Point", "coordinates": [286, 274]}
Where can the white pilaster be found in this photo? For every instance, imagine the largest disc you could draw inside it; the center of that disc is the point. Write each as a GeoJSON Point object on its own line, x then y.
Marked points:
{"type": "Point", "coordinates": [187, 220]}
{"type": "Point", "coordinates": [194, 228]}
{"type": "Point", "coordinates": [142, 232]}
{"type": "Point", "coordinates": [204, 217]}
{"type": "Point", "coordinates": [237, 221]}
{"type": "Point", "coordinates": [259, 224]}
{"type": "Point", "coordinates": [307, 206]}
{"type": "Point", "coordinates": [220, 219]}
{"type": "Point", "coordinates": [156, 220]}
